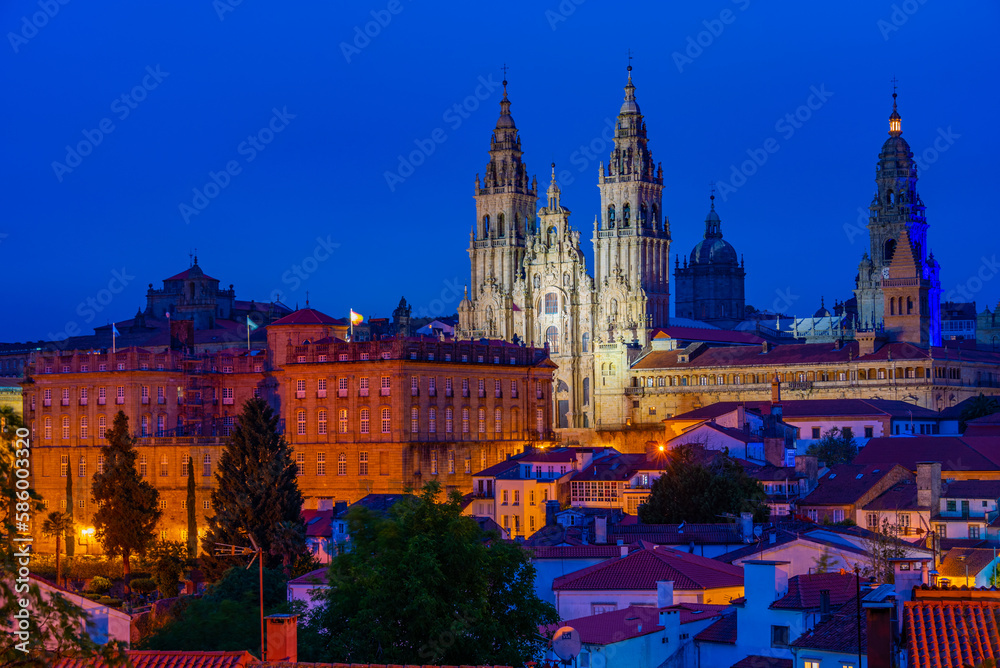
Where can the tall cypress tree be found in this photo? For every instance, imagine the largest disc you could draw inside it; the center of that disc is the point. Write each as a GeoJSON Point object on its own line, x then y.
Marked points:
{"type": "Point", "coordinates": [256, 491]}
{"type": "Point", "coordinates": [192, 541]}
{"type": "Point", "coordinates": [68, 538]}
{"type": "Point", "coordinates": [127, 506]}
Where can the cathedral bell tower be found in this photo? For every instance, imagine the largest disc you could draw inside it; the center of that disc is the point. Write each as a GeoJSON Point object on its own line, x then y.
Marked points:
{"type": "Point", "coordinates": [631, 234]}
{"type": "Point", "coordinates": [505, 220]}
{"type": "Point", "coordinates": [896, 208]}
{"type": "Point", "coordinates": [912, 293]}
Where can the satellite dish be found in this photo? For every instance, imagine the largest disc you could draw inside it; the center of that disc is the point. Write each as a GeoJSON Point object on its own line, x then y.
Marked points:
{"type": "Point", "coordinates": [566, 643]}
{"type": "Point", "coordinates": [758, 531]}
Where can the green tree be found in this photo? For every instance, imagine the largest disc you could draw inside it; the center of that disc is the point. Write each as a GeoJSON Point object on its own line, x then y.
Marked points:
{"type": "Point", "coordinates": [824, 562]}
{"type": "Point", "coordinates": [423, 581]}
{"type": "Point", "coordinates": [47, 627]}
{"type": "Point", "coordinates": [127, 505]}
{"type": "Point", "coordinates": [836, 447]}
{"type": "Point", "coordinates": [70, 543]}
{"type": "Point", "coordinates": [227, 617]}
{"type": "Point", "coordinates": [286, 542]}
{"type": "Point", "coordinates": [58, 524]}
{"type": "Point", "coordinates": [689, 491]}
{"type": "Point", "coordinates": [979, 407]}
{"type": "Point", "coordinates": [192, 514]}
{"type": "Point", "coordinates": [256, 491]}
{"type": "Point", "coordinates": [167, 559]}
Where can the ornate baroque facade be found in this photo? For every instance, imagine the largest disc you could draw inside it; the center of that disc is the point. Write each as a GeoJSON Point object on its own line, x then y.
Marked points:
{"type": "Point", "coordinates": [529, 279]}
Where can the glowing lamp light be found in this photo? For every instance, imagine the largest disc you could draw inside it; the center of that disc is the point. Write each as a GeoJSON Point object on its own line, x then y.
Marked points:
{"type": "Point", "coordinates": [661, 448]}
{"type": "Point", "coordinates": [87, 531]}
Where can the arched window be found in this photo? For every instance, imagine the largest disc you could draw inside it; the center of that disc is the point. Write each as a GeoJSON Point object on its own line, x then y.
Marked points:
{"type": "Point", "coordinates": [611, 217]}
{"type": "Point", "coordinates": [552, 338]}
{"type": "Point", "coordinates": [486, 227]}
{"type": "Point", "coordinates": [626, 214]}
{"type": "Point", "coordinates": [551, 303]}
{"type": "Point", "coordinates": [301, 421]}
{"type": "Point", "coordinates": [909, 306]}
{"type": "Point", "coordinates": [586, 391]}
{"type": "Point", "coordinates": [888, 197]}
{"type": "Point", "coordinates": [655, 219]}
{"type": "Point", "coordinates": [206, 465]}
{"type": "Point", "coordinates": [585, 342]}
{"type": "Point", "coordinates": [500, 221]}
{"type": "Point", "coordinates": [342, 464]}
{"type": "Point", "coordinates": [889, 249]}
{"type": "Point", "coordinates": [642, 215]}
{"type": "Point", "coordinates": [321, 421]}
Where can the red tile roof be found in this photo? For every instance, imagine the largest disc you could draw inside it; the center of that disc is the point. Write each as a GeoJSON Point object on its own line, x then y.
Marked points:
{"type": "Point", "coordinates": [318, 522]}
{"type": "Point", "coordinates": [307, 316]}
{"type": "Point", "coordinates": [722, 631]}
{"type": "Point", "coordinates": [803, 591]}
{"type": "Point", "coordinates": [675, 534]}
{"type": "Point", "coordinates": [951, 633]}
{"type": "Point", "coordinates": [575, 552]}
{"type": "Point", "coordinates": [642, 569]}
{"type": "Point", "coordinates": [845, 484]}
{"type": "Point", "coordinates": [621, 467]}
{"type": "Point", "coordinates": [901, 496]}
{"type": "Point", "coordinates": [955, 453]}
{"type": "Point", "coordinates": [611, 627]}
{"type": "Point", "coordinates": [971, 489]}
{"type": "Point", "coordinates": [958, 558]}
{"type": "Point", "coordinates": [803, 408]}
{"type": "Point", "coordinates": [151, 659]}
{"type": "Point", "coordinates": [189, 272]}
{"type": "Point", "coordinates": [316, 577]}
{"type": "Point", "coordinates": [710, 335]}
{"type": "Point", "coordinates": [758, 661]}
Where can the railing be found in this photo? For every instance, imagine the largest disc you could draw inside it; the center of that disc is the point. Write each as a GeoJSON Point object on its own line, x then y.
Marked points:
{"type": "Point", "coordinates": [363, 392]}
{"type": "Point", "coordinates": [321, 394]}
{"type": "Point", "coordinates": [342, 392]}
{"type": "Point", "coordinates": [635, 391]}
{"type": "Point", "coordinates": [101, 401]}
{"type": "Point", "coordinates": [384, 391]}
{"type": "Point", "coordinates": [300, 394]}
{"type": "Point", "coordinates": [145, 400]}
{"type": "Point", "coordinates": [83, 401]}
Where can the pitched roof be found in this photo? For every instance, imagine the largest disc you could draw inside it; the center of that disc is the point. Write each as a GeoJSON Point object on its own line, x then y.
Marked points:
{"type": "Point", "coordinates": [955, 453]}
{"type": "Point", "coordinates": [845, 484]}
{"type": "Point", "coordinates": [318, 522]}
{"type": "Point", "coordinates": [958, 558]}
{"type": "Point", "coordinates": [151, 659]}
{"type": "Point", "coordinates": [972, 489]}
{"type": "Point", "coordinates": [759, 661]}
{"type": "Point", "coordinates": [676, 534]}
{"type": "Point", "coordinates": [307, 316]}
{"type": "Point", "coordinates": [709, 335]}
{"type": "Point", "coordinates": [316, 577]}
{"type": "Point", "coordinates": [620, 467]}
{"type": "Point", "coordinates": [951, 633]}
{"type": "Point", "coordinates": [615, 626]}
{"type": "Point", "coordinates": [722, 631]}
{"type": "Point", "coordinates": [784, 537]}
{"type": "Point", "coordinates": [901, 496]}
{"type": "Point", "coordinates": [575, 551]}
{"type": "Point", "coordinates": [642, 569]}
{"type": "Point", "coordinates": [803, 590]}
{"type": "Point", "coordinates": [839, 633]}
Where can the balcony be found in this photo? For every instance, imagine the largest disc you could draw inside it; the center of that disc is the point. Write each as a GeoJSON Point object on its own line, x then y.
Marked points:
{"type": "Point", "coordinates": [363, 392]}
{"type": "Point", "coordinates": [119, 400]}
{"type": "Point", "coordinates": [342, 392]}
{"type": "Point", "coordinates": [498, 394]}
{"type": "Point", "coordinates": [482, 394]}
{"type": "Point", "coordinates": [145, 400]}
{"type": "Point", "coordinates": [414, 392]}
{"type": "Point", "coordinates": [465, 393]}
{"type": "Point", "coordinates": [449, 393]}
{"type": "Point", "coordinates": [432, 392]}
{"type": "Point", "coordinates": [635, 391]}
{"type": "Point", "coordinates": [65, 402]}
{"type": "Point", "coordinates": [384, 391]}
{"type": "Point", "coordinates": [300, 394]}
{"type": "Point", "coordinates": [321, 394]}
{"type": "Point", "coordinates": [227, 401]}
{"type": "Point", "coordinates": [161, 400]}
{"type": "Point", "coordinates": [83, 401]}
{"type": "Point", "coordinates": [541, 395]}
{"type": "Point", "coordinates": [101, 401]}
{"type": "Point", "coordinates": [513, 395]}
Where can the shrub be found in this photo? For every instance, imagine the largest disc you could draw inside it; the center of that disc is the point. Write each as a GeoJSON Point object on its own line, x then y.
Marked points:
{"type": "Point", "coordinates": [100, 585]}
{"type": "Point", "coordinates": [144, 585]}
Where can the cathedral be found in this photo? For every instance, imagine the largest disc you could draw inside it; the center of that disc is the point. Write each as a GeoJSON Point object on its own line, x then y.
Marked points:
{"type": "Point", "coordinates": [529, 279]}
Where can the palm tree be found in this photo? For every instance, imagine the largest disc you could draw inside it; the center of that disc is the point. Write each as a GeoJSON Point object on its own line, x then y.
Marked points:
{"type": "Point", "coordinates": [981, 406]}
{"type": "Point", "coordinates": [58, 524]}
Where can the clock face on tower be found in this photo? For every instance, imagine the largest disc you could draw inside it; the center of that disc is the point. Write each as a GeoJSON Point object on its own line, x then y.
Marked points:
{"type": "Point", "coordinates": [885, 272]}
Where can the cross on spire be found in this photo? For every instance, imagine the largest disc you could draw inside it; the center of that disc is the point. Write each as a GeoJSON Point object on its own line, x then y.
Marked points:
{"type": "Point", "coordinates": [629, 68]}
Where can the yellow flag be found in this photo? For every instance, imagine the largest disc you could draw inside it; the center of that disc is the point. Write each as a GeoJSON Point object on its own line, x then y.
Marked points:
{"type": "Point", "coordinates": [356, 318]}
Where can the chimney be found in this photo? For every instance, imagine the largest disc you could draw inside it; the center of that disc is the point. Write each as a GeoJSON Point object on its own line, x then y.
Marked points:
{"type": "Point", "coordinates": [339, 507]}
{"type": "Point", "coordinates": [881, 633]}
{"type": "Point", "coordinates": [623, 550]}
{"type": "Point", "coordinates": [664, 593]}
{"type": "Point", "coordinates": [600, 530]}
{"type": "Point", "coordinates": [929, 486]}
{"type": "Point", "coordinates": [746, 527]}
{"type": "Point", "coordinates": [775, 394]}
{"type": "Point", "coordinates": [282, 638]}
{"type": "Point", "coordinates": [764, 583]}
{"type": "Point", "coordinates": [670, 620]}
{"type": "Point", "coordinates": [807, 466]}
{"type": "Point", "coordinates": [765, 347]}
{"type": "Point", "coordinates": [824, 605]}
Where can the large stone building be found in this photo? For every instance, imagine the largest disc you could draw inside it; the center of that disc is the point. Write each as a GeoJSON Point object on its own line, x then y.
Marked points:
{"type": "Point", "coordinates": [362, 417]}
{"type": "Point", "coordinates": [529, 279]}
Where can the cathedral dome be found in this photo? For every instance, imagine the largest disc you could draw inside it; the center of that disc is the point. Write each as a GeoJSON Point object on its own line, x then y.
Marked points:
{"type": "Point", "coordinates": [713, 251]}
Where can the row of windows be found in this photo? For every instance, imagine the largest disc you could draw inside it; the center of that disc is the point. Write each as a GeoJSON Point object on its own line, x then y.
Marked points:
{"type": "Point", "coordinates": [385, 386]}
{"type": "Point", "coordinates": [788, 377]}
{"type": "Point", "coordinates": [364, 420]}
{"type": "Point", "coordinates": [505, 497]}
{"type": "Point", "coordinates": [143, 465]}
{"type": "Point", "coordinates": [146, 426]}
{"type": "Point", "coordinates": [300, 463]}
{"type": "Point", "coordinates": [596, 490]}
{"type": "Point", "coordinates": [144, 395]}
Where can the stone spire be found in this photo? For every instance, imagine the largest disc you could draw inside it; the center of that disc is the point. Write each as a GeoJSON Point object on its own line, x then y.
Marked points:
{"type": "Point", "coordinates": [895, 121]}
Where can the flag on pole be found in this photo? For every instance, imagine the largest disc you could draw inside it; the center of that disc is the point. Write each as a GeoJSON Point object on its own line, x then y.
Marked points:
{"type": "Point", "coordinates": [114, 330]}
{"type": "Point", "coordinates": [251, 325]}
{"type": "Point", "coordinates": [356, 318]}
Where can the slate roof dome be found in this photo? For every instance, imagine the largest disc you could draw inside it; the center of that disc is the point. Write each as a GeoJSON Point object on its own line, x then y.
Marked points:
{"type": "Point", "coordinates": [713, 251]}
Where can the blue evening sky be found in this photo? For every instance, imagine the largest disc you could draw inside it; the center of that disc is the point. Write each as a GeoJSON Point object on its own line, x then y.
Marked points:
{"type": "Point", "coordinates": [205, 85]}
